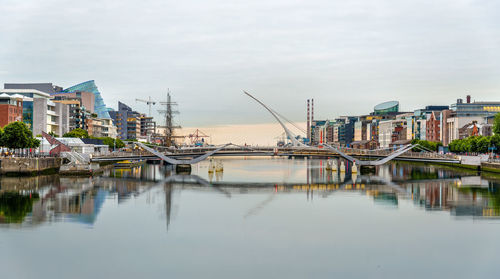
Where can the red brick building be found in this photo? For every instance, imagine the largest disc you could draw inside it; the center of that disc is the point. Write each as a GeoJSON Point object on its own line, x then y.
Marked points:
{"type": "Point", "coordinates": [11, 109]}
{"type": "Point", "coordinates": [433, 128]}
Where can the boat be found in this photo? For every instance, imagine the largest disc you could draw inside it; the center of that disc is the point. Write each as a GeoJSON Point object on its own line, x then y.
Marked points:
{"type": "Point", "coordinates": [129, 163]}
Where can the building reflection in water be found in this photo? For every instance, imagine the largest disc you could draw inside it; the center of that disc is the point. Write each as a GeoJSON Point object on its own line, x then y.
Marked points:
{"type": "Point", "coordinates": [67, 199]}
{"type": "Point", "coordinates": [430, 187]}
{"type": "Point", "coordinates": [168, 202]}
{"type": "Point", "coordinates": [71, 199]}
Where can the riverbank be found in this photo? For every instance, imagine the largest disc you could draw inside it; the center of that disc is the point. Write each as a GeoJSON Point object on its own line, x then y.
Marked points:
{"type": "Point", "coordinates": [29, 166]}
{"type": "Point", "coordinates": [491, 167]}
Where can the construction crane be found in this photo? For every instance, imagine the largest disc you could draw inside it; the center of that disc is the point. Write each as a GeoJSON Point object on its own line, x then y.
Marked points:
{"type": "Point", "coordinates": [149, 102]}
{"type": "Point", "coordinates": [198, 138]}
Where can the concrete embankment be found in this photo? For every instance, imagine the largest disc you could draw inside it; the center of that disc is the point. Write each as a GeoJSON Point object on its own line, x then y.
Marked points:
{"type": "Point", "coordinates": [15, 165]}
{"type": "Point", "coordinates": [80, 169]}
{"type": "Point", "coordinates": [491, 167]}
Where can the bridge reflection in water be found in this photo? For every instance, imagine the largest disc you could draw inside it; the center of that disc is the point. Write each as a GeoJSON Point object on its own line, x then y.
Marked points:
{"type": "Point", "coordinates": [65, 199]}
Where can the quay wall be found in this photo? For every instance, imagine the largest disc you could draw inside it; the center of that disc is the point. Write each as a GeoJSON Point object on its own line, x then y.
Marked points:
{"type": "Point", "coordinates": [14, 165]}
{"type": "Point", "coordinates": [80, 169]}
{"type": "Point", "coordinates": [491, 167]}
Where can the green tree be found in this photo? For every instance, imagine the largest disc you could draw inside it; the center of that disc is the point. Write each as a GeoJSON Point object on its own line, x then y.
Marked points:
{"type": "Point", "coordinates": [14, 207]}
{"type": "Point", "coordinates": [479, 144]}
{"type": "Point", "coordinates": [496, 124]}
{"type": "Point", "coordinates": [495, 141]}
{"type": "Point", "coordinates": [17, 135]}
{"type": "Point", "coordinates": [482, 144]}
{"type": "Point", "coordinates": [34, 143]}
{"type": "Point", "coordinates": [77, 133]}
{"type": "Point", "coordinates": [2, 143]}
{"type": "Point", "coordinates": [111, 142]}
{"type": "Point", "coordinates": [426, 145]}
{"type": "Point", "coordinates": [53, 134]}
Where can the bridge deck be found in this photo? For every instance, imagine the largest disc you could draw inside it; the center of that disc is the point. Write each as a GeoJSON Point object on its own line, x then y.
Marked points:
{"type": "Point", "coordinates": [360, 156]}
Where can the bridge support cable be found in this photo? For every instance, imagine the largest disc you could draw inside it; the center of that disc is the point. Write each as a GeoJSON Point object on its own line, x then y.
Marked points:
{"type": "Point", "coordinates": [289, 134]}
{"type": "Point", "coordinates": [287, 120]}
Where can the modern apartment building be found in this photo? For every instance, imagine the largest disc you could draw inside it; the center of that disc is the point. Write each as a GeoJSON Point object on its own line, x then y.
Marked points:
{"type": "Point", "coordinates": [101, 127]}
{"type": "Point", "coordinates": [148, 126]}
{"type": "Point", "coordinates": [127, 122]}
{"type": "Point", "coordinates": [40, 113]}
{"type": "Point", "coordinates": [87, 99]}
{"type": "Point", "coordinates": [390, 131]}
{"type": "Point", "coordinates": [77, 113]}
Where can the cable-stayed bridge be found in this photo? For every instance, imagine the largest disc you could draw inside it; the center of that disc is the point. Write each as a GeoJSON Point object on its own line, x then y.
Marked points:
{"type": "Point", "coordinates": [362, 157]}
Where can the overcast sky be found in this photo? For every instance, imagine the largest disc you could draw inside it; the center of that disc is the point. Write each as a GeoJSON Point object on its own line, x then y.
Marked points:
{"type": "Point", "coordinates": [347, 55]}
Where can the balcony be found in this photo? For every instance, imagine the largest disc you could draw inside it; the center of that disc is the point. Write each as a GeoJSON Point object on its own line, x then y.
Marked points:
{"type": "Point", "coordinates": [51, 112]}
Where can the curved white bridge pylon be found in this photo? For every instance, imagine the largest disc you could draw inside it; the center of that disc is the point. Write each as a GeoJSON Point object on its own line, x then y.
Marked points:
{"type": "Point", "coordinates": [289, 133]}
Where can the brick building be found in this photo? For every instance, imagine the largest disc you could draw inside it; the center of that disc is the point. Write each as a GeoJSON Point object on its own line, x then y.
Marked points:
{"type": "Point", "coordinates": [11, 109]}
{"type": "Point", "coordinates": [433, 126]}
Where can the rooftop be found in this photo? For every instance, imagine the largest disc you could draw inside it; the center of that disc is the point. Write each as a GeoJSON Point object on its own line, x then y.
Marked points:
{"type": "Point", "coordinates": [386, 105]}
{"type": "Point", "coordinates": [25, 91]}
{"type": "Point", "coordinates": [14, 96]}
{"type": "Point", "coordinates": [45, 87]}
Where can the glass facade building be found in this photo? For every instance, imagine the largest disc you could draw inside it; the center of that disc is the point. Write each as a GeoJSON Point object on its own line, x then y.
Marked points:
{"type": "Point", "coordinates": [28, 114]}
{"type": "Point", "coordinates": [481, 109]}
{"type": "Point", "coordinates": [89, 86]}
{"type": "Point", "coordinates": [387, 107]}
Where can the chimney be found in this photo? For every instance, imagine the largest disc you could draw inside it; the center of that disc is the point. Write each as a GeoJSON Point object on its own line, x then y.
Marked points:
{"type": "Point", "coordinates": [308, 121]}
{"type": "Point", "coordinates": [468, 99]}
{"type": "Point", "coordinates": [312, 110]}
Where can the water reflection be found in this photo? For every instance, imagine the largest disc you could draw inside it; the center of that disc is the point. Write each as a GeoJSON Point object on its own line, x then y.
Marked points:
{"type": "Point", "coordinates": [30, 201]}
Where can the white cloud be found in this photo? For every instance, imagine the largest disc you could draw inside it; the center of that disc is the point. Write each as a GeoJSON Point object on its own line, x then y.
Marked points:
{"type": "Point", "coordinates": [348, 55]}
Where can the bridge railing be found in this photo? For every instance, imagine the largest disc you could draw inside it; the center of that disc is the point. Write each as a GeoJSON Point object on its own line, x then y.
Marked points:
{"type": "Point", "coordinates": [387, 152]}
{"type": "Point", "coordinates": [124, 154]}
{"type": "Point", "coordinates": [285, 150]}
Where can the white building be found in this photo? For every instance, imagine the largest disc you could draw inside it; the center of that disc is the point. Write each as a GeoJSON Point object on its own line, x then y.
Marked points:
{"type": "Point", "coordinates": [455, 123]}
{"type": "Point", "coordinates": [40, 113]}
{"type": "Point", "coordinates": [385, 133]}
{"type": "Point", "coordinates": [102, 127]}
{"type": "Point", "coordinates": [388, 128]}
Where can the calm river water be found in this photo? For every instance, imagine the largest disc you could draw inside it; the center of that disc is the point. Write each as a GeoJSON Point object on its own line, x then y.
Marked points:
{"type": "Point", "coordinates": [260, 218]}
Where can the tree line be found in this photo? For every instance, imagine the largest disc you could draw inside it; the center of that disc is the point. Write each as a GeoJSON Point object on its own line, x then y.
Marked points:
{"type": "Point", "coordinates": [475, 144]}
{"type": "Point", "coordinates": [478, 144]}
{"type": "Point", "coordinates": [17, 135]}
{"type": "Point", "coordinates": [425, 145]}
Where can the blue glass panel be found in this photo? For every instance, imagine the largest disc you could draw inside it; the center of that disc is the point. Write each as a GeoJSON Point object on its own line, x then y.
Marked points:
{"type": "Point", "coordinates": [28, 114]}
{"type": "Point", "coordinates": [89, 86]}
